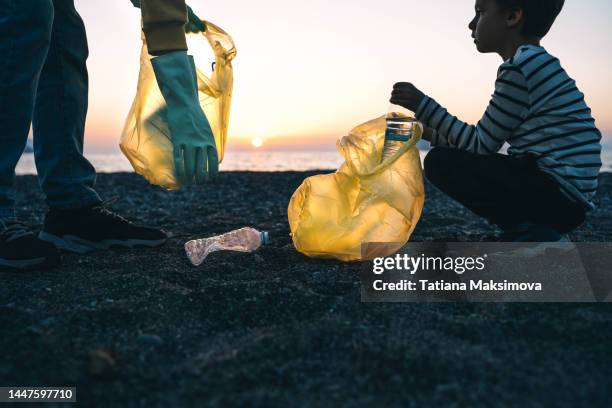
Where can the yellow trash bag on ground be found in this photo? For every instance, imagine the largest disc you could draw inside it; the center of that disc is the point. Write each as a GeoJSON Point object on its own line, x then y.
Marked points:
{"type": "Point", "coordinates": [146, 138]}
{"type": "Point", "coordinates": [365, 201]}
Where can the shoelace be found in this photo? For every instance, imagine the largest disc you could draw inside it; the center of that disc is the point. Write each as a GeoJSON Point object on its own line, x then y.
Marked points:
{"type": "Point", "coordinates": [105, 212]}
{"type": "Point", "coordinates": [11, 230]}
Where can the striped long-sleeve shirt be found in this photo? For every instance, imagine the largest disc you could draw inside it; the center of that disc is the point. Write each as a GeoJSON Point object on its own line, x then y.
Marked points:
{"type": "Point", "coordinates": [538, 110]}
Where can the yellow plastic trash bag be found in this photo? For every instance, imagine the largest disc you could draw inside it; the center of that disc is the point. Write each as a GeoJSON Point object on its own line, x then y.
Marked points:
{"type": "Point", "coordinates": [365, 201]}
{"type": "Point", "coordinates": [146, 138]}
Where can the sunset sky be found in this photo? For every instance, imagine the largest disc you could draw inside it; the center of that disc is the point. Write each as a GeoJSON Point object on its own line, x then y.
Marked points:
{"type": "Point", "coordinates": [308, 71]}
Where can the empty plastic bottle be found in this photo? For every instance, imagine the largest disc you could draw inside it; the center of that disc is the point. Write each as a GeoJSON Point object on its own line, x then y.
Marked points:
{"type": "Point", "coordinates": [241, 240]}
{"type": "Point", "coordinates": [400, 124]}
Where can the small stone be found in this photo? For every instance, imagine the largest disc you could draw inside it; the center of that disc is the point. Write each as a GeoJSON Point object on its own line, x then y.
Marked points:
{"type": "Point", "coordinates": [103, 364]}
{"type": "Point", "coordinates": [150, 340]}
{"type": "Point", "coordinates": [33, 330]}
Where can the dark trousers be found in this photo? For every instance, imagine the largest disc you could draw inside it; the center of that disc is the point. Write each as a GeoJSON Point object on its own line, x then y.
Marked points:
{"type": "Point", "coordinates": [43, 82]}
{"type": "Point", "coordinates": [503, 189]}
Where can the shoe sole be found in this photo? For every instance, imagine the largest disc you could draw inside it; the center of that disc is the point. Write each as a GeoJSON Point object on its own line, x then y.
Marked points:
{"type": "Point", "coordinates": [539, 249]}
{"type": "Point", "coordinates": [78, 245]}
{"type": "Point", "coordinates": [20, 265]}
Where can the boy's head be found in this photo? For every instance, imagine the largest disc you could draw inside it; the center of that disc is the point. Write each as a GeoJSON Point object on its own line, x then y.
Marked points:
{"type": "Point", "coordinates": [497, 21]}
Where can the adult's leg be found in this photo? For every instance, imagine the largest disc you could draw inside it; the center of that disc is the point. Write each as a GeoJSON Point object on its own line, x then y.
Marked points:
{"type": "Point", "coordinates": [77, 220]}
{"type": "Point", "coordinates": [164, 25]}
{"type": "Point", "coordinates": [25, 32]}
{"type": "Point", "coordinates": [66, 177]}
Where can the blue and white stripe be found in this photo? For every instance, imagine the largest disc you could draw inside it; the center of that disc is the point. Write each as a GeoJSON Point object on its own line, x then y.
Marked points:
{"type": "Point", "coordinates": [538, 110]}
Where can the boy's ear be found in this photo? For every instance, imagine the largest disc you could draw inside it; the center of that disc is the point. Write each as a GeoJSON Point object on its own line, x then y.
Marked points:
{"type": "Point", "coordinates": [514, 17]}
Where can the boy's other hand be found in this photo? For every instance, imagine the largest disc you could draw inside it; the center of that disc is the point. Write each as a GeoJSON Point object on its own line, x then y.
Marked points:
{"type": "Point", "coordinates": [407, 95]}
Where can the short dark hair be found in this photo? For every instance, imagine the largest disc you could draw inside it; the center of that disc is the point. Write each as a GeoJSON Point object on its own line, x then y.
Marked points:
{"type": "Point", "coordinates": [539, 14]}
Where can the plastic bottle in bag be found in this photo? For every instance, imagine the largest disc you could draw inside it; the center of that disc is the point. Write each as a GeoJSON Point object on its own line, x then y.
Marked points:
{"type": "Point", "coordinates": [241, 240]}
{"type": "Point", "coordinates": [400, 126]}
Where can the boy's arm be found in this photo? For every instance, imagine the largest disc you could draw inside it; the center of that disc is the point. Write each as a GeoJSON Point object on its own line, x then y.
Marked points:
{"type": "Point", "coordinates": [508, 108]}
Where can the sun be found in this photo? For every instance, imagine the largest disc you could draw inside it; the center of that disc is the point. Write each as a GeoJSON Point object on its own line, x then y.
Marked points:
{"type": "Point", "coordinates": [257, 142]}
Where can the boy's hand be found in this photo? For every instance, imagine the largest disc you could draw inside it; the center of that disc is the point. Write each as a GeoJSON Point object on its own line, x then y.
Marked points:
{"type": "Point", "coordinates": [407, 95]}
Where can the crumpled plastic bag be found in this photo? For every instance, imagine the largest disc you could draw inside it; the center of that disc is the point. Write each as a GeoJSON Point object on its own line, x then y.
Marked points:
{"type": "Point", "coordinates": [145, 140]}
{"type": "Point", "coordinates": [365, 201]}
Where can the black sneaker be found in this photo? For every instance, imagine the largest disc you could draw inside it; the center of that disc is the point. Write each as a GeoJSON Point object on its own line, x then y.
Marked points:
{"type": "Point", "coordinates": [530, 240]}
{"type": "Point", "coordinates": [20, 250]}
{"type": "Point", "coordinates": [96, 228]}
{"type": "Point", "coordinates": [531, 233]}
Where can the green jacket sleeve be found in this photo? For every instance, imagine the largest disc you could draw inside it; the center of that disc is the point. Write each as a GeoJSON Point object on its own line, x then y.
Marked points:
{"type": "Point", "coordinates": [164, 25]}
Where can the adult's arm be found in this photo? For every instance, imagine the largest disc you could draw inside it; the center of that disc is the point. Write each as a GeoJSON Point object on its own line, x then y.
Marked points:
{"type": "Point", "coordinates": [164, 25]}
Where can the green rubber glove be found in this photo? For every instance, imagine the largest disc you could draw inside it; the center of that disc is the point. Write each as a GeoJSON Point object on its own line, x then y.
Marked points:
{"type": "Point", "coordinates": [194, 23]}
{"type": "Point", "coordinates": [195, 151]}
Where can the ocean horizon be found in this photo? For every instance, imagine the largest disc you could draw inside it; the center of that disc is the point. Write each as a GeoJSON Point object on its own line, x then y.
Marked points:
{"type": "Point", "coordinates": [247, 160]}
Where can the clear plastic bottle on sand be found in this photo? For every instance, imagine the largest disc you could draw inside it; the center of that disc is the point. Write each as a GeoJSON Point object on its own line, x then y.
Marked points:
{"type": "Point", "coordinates": [400, 124]}
{"type": "Point", "coordinates": [241, 240]}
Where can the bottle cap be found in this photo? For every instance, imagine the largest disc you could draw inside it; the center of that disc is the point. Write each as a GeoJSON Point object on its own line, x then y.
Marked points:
{"type": "Point", "coordinates": [265, 238]}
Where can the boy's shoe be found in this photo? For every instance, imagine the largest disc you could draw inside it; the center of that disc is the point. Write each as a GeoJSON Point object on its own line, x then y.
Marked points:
{"type": "Point", "coordinates": [21, 250]}
{"type": "Point", "coordinates": [533, 240]}
{"type": "Point", "coordinates": [531, 233]}
{"type": "Point", "coordinates": [96, 228]}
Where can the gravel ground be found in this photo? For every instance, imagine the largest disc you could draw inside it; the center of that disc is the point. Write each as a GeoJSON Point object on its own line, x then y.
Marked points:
{"type": "Point", "coordinates": [274, 328]}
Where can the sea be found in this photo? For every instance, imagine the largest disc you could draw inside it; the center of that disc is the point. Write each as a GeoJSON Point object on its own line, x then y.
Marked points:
{"type": "Point", "coordinates": [256, 160]}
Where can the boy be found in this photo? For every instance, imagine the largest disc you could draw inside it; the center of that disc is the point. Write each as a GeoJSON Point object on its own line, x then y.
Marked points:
{"type": "Point", "coordinates": [43, 81]}
{"type": "Point", "coordinates": [544, 186]}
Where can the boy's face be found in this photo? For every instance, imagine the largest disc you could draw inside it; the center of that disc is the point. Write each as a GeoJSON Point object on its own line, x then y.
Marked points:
{"type": "Point", "coordinates": [489, 28]}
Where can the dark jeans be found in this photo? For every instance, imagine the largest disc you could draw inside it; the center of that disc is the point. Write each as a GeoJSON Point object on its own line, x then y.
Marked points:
{"type": "Point", "coordinates": [43, 82]}
{"type": "Point", "coordinates": [505, 190]}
